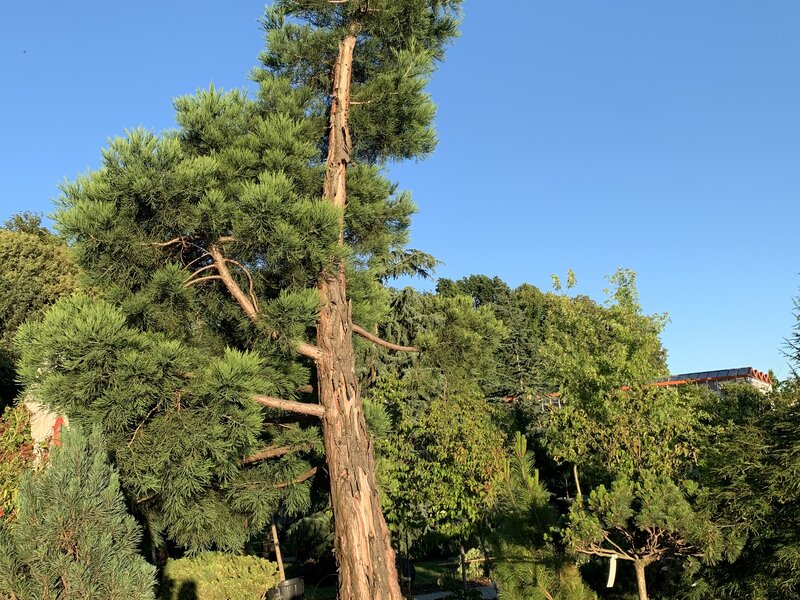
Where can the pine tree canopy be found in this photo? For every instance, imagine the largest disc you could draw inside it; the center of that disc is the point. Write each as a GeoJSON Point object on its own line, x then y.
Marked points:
{"type": "Point", "coordinates": [221, 247]}
{"type": "Point", "coordinates": [180, 422]}
{"type": "Point", "coordinates": [245, 182]}
{"type": "Point", "coordinates": [206, 244]}
{"type": "Point", "coordinates": [398, 44]}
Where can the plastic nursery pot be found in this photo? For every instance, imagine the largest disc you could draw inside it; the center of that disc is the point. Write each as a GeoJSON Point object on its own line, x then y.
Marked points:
{"type": "Point", "coordinates": [291, 589]}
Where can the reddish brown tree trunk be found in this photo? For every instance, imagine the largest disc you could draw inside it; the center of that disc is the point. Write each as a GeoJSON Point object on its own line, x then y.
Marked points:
{"type": "Point", "coordinates": [363, 550]}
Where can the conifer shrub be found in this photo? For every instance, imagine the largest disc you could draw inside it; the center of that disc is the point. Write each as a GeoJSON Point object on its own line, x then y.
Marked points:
{"type": "Point", "coordinates": [72, 538]}
{"type": "Point", "coordinates": [218, 576]}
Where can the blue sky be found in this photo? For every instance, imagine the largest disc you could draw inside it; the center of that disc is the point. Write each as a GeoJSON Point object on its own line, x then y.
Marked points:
{"type": "Point", "coordinates": [663, 137]}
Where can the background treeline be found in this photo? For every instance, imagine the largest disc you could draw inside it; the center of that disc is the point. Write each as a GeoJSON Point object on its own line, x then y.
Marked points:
{"type": "Point", "coordinates": [523, 428]}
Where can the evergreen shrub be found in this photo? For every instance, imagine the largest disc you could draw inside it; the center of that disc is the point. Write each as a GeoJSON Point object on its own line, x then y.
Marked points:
{"type": "Point", "coordinates": [72, 538]}
{"type": "Point", "coordinates": [218, 576]}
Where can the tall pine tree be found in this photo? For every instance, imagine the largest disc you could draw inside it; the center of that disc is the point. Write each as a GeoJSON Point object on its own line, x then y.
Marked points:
{"type": "Point", "coordinates": [372, 56]}
{"type": "Point", "coordinates": [268, 226]}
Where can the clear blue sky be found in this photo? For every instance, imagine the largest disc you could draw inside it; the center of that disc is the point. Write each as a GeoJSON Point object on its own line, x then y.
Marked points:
{"type": "Point", "coordinates": [664, 137]}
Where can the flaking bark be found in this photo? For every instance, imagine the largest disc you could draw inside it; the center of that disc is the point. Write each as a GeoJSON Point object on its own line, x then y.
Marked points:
{"type": "Point", "coordinates": [363, 550]}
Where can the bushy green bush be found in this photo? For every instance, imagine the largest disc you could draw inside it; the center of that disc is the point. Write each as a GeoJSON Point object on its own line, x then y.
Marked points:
{"type": "Point", "coordinates": [16, 455]}
{"type": "Point", "coordinates": [475, 561]}
{"type": "Point", "coordinates": [218, 576]}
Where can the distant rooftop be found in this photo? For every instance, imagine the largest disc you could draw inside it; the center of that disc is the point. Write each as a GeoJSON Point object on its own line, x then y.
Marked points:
{"type": "Point", "coordinates": [754, 377]}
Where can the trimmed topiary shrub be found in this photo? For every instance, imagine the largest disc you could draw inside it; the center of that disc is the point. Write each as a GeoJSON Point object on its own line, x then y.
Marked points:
{"type": "Point", "coordinates": [218, 576]}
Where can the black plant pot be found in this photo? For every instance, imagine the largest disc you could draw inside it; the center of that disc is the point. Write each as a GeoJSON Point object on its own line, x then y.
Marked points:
{"type": "Point", "coordinates": [290, 589]}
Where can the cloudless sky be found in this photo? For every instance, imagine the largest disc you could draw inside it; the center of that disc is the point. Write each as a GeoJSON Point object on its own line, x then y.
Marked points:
{"type": "Point", "coordinates": [663, 137]}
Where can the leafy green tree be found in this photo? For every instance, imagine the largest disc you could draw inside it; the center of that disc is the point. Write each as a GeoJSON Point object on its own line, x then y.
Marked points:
{"type": "Point", "coordinates": [268, 226]}
{"type": "Point", "coordinates": [636, 449]}
{"type": "Point", "coordinates": [444, 465]}
{"type": "Point", "coordinates": [563, 344]}
{"type": "Point", "coordinates": [429, 401]}
{"type": "Point", "coordinates": [16, 456]}
{"type": "Point", "coordinates": [442, 454]}
{"type": "Point", "coordinates": [588, 348]}
{"type": "Point", "coordinates": [520, 310]}
{"type": "Point", "coordinates": [528, 564]}
{"type": "Point", "coordinates": [35, 270]}
{"type": "Point", "coordinates": [73, 538]}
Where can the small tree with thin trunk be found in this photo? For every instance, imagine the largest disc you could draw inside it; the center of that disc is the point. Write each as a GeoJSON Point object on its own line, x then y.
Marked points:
{"type": "Point", "coordinates": [635, 449]}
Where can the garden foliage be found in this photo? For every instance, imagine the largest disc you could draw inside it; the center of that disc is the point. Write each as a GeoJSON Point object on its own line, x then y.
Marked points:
{"type": "Point", "coordinates": [217, 576]}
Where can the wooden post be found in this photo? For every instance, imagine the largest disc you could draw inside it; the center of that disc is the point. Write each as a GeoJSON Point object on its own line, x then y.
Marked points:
{"type": "Point", "coordinates": [278, 556]}
{"type": "Point", "coordinates": [463, 558]}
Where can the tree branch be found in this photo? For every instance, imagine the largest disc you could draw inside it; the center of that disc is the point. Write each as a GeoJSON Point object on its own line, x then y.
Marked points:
{"type": "Point", "coordinates": [198, 271]}
{"type": "Point", "coordinates": [618, 549]}
{"type": "Point", "coordinates": [177, 240]}
{"type": "Point", "coordinates": [146, 498]}
{"type": "Point", "coordinates": [230, 283]}
{"type": "Point", "coordinates": [594, 550]}
{"type": "Point", "coordinates": [249, 280]}
{"type": "Point", "coordinates": [139, 428]}
{"type": "Point", "coordinates": [577, 481]}
{"type": "Point", "coordinates": [200, 279]}
{"type": "Point", "coordinates": [307, 475]}
{"type": "Point", "coordinates": [381, 342]}
{"type": "Point", "coordinates": [309, 351]}
{"type": "Point", "coordinates": [199, 258]}
{"type": "Point", "coordinates": [304, 408]}
{"type": "Point", "coordinates": [267, 453]}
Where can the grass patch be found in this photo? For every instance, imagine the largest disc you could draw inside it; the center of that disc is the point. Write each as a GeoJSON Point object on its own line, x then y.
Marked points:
{"type": "Point", "coordinates": [431, 572]}
{"type": "Point", "coordinates": [315, 592]}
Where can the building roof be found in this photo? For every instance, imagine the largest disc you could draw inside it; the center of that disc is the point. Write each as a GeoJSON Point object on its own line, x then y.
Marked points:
{"type": "Point", "coordinates": [721, 375]}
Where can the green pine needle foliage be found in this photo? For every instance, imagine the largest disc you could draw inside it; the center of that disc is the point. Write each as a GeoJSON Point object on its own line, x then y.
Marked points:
{"type": "Point", "coordinates": [751, 471]}
{"type": "Point", "coordinates": [73, 538]}
{"type": "Point", "coordinates": [178, 421]}
{"type": "Point", "coordinates": [529, 566]}
{"type": "Point", "coordinates": [165, 359]}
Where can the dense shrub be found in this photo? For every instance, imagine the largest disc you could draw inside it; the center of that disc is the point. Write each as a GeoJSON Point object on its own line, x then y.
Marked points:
{"type": "Point", "coordinates": [218, 576]}
{"type": "Point", "coordinates": [475, 564]}
{"type": "Point", "coordinates": [16, 455]}
{"type": "Point", "coordinates": [35, 270]}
